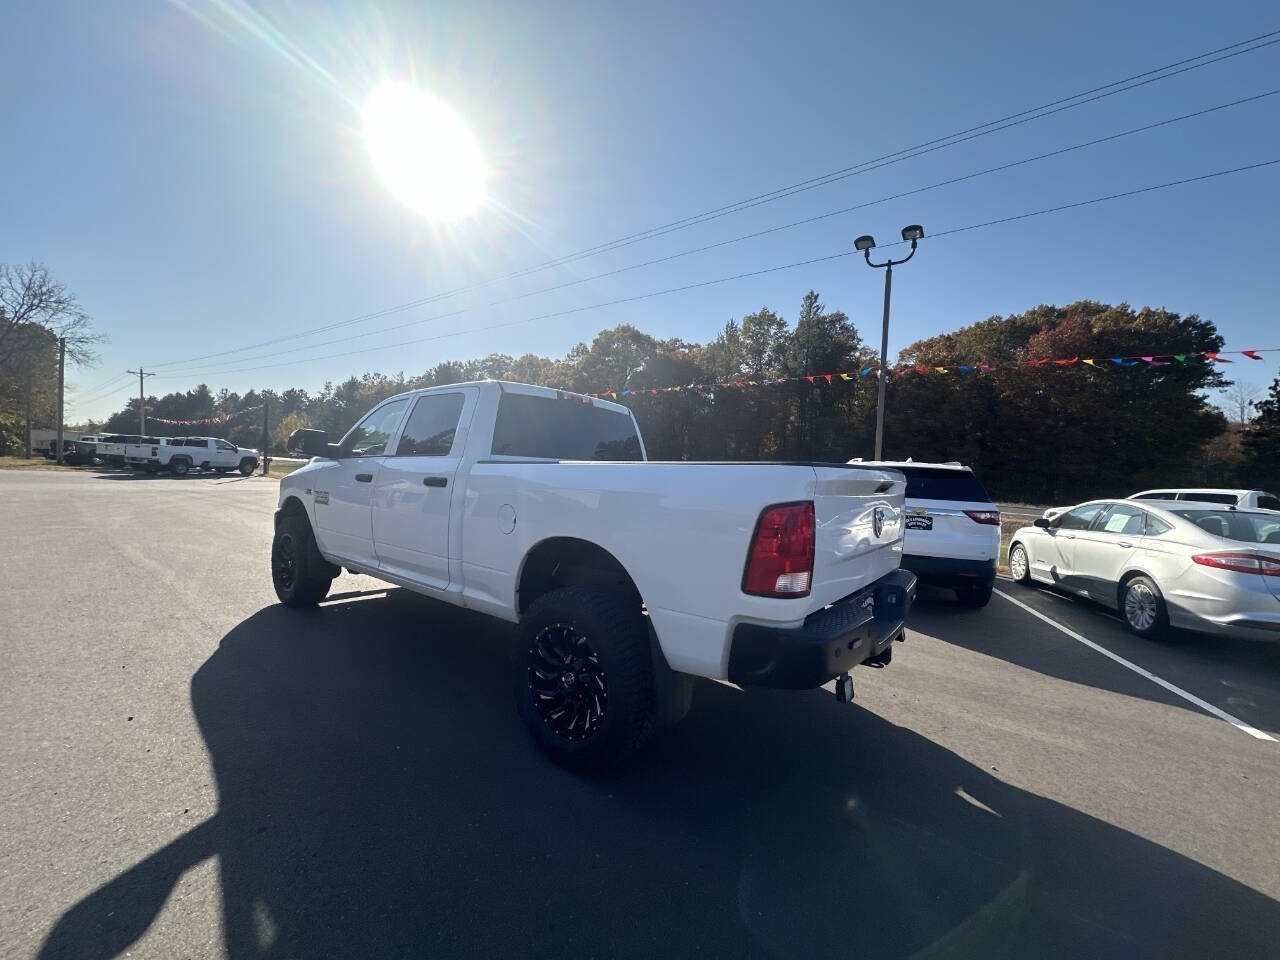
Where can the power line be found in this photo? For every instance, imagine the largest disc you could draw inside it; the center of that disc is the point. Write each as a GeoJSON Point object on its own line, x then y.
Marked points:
{"type": "Point", "coordinates": [1025, 116]}
{"type": "Point", "coordinates": [775, 229]}
{"type": "Point", "coordinates": [98, 393]}
{"type": "Point", "coordinates": [754, 273]}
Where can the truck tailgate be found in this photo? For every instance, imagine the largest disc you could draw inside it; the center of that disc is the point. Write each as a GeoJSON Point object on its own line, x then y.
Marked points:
{"type": "Point", "coordinates": [858, 540]}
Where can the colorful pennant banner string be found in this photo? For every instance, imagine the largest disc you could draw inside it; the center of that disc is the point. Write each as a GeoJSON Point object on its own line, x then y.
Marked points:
{"type": "Point", "coordinates": [1150, 360]}
{"type": "Point", "coordinates": [221, 418]}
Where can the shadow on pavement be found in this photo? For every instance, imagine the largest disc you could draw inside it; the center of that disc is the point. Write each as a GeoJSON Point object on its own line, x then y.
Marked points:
{"type": "Point", "coordinates": [1239, 676]}
{"type": "Point", "coordinates": [378, 798]}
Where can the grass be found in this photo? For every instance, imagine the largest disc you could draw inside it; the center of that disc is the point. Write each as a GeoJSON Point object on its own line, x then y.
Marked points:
{"type": "Point", "coordinates": [35, 463]}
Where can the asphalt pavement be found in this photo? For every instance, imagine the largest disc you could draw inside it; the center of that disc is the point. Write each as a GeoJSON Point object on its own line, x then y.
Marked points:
{"type": "Point", "coordinates": [190, 770]}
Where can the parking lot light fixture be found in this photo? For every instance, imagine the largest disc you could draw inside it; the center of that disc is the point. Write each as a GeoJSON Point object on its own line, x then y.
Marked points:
{"type": "Point", "coordinates": [911, 234]}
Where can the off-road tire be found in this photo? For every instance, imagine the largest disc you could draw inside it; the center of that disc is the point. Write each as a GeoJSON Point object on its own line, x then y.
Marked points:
{"type": "Point", "coordinates": [613, 627]}
{"type": "Point", "coordinates": [300, 575]}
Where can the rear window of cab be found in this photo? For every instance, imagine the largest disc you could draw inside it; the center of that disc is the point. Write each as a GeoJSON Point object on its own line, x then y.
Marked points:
{"type": "Point", "coordinates": [937, 483]}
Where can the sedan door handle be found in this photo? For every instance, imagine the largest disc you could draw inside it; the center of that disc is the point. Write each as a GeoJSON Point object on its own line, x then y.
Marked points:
{"type": "Point", "coordinates": [435, 481]}
{"type": "Point", "coordinates": [1069, 536]}
{"type": "Point", "coordinates": [1123, 544]}
{"type": "Point", "coordinates": [364, 478]}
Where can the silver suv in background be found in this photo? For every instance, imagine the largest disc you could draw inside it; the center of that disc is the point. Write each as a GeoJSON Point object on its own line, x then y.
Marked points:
{"type": "Point", "coordinates": [1241, 499]}
{"type": "Point", "coordinates": [952, 528]}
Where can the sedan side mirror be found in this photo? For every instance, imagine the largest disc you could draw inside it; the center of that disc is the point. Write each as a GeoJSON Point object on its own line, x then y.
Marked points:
{"type": "Point", "coordinates": [311, 443]}
{"type": "Point", "coordinates": [1042, 523]}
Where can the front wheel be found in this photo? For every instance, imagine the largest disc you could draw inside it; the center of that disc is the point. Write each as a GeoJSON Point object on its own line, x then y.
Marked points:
{"type": "Point", "coordinates": [247, 465]}
{"type": "Point", "coordinates": [299, 573]}
{"type": "Point", "coordinates": [1142, 606]}
{"type": "Point", "coordinates": [584, 680]}
{"type": "Point", "coordinates": [1019, 567]}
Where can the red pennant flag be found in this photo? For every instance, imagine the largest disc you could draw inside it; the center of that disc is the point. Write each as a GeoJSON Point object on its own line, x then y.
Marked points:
{"type": "Point", "coordinates": [810, 379]}
{"type": "Point", "coordinates": [1251, 354]}
{"type": "Point", "coordinates": [826, 377]}
{"type": "Point", "coordinates": [1038, 363]}
{"type": "Point", "coordinates": [922, 369]}
{"type": "Point", "coordinates": [1068, 363]}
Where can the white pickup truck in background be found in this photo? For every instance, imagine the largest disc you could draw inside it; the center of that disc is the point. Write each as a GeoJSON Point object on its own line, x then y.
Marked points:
{"type": "Point", "coordinates": [181, 455]}
{"type": "Point", "coordinates": [628, 578]}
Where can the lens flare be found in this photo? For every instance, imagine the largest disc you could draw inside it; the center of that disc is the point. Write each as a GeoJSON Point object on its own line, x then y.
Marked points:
{"type": "Point", "coordinates": [424, 153]}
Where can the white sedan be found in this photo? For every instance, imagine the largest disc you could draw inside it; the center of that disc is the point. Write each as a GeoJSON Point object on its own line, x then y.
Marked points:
{"type": "Point", "coordinates": [1198, 566]}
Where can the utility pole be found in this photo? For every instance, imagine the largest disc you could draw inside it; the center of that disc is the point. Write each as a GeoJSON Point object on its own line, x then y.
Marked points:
{"type": "Point", "coordinates": [266, 433]}
{"type": "Point", "coordinates": [30, 384]}
{"type": "Point", "coordinates": [142, 401]}
{"type": "Point", "coordinates": [62, 364]}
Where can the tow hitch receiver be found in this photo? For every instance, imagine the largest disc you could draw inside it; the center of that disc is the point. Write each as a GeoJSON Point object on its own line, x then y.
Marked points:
{"type": "Point", "coordinates": [844, 688]}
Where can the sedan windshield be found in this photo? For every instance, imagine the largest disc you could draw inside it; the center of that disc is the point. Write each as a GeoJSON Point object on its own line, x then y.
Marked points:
{"type": "Point", "coordinates": [1235, 524]}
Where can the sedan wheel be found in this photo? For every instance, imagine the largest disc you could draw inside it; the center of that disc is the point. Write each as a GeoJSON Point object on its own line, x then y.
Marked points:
{"type": "Point", "coordinates": [1143, 608]}
{"type": "Point", "coordinates": [1019, 568]}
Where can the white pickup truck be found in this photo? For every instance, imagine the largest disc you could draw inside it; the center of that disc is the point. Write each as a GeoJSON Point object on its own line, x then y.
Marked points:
{"type": "Point", "coordinates": [627, 578]}
{"type": "Point", "coordinates": [184, 454]}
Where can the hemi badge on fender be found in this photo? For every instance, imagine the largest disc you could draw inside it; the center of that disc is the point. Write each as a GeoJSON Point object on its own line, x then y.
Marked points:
{"type": "Point", "coordinates": [322, 497]}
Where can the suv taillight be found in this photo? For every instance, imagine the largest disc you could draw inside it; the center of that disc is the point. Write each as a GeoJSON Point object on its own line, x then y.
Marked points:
{"type": "Point", "coordinates": [984, 516]}
{"type": "Point", "coordinates": [1262, 563]}
{"type": "Point", "coordinates": [780, 558]}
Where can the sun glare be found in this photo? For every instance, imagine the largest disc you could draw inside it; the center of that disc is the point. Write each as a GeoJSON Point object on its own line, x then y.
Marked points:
{"type": "Point", "coordinates": [424, 153]}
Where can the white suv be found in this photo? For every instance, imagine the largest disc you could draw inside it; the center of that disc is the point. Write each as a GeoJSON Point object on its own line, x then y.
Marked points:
{"type": "Point", "coordinates": [1243, 499]}
{"type": "Point", "coordinates": [953, 528]}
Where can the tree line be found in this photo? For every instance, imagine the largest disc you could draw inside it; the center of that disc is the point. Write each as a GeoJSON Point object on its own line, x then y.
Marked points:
{"type": "Point", "coordinates": [1039, 434]}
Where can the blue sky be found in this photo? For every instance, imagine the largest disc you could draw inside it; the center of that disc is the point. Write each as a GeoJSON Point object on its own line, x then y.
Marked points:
{"type": "Point", "coordinates": [195, 172]}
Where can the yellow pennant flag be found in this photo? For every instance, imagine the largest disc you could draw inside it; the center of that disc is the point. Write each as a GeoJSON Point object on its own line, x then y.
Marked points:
{"type": "Point", "coordinates": [1090, 363]}
{"type": "Point", "coordinates": [941, 369]}
{"type": "Point", "coordinates": [845, 376]}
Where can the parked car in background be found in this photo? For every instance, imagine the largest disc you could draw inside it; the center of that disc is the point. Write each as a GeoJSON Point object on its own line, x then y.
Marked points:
{"type": "Point", "coordinates": [111, 448]}
{"type": "Point", "coordinates": [184, 454]}
{"type": "Point", "coordinates": [1244, 499]}
{"type": "Point", "coordinates": [1160, 563]}
{"type": "Point", "coordinates": [626, 578]}
{"type": "Point", "coordinates": [69, 453]}
{"type": "Point", "coordinates": [952, 528]}
{"type": "Point", "coordinates": [86, 448]}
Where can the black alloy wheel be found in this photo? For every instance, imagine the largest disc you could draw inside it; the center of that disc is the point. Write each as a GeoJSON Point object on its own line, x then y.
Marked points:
{"type": "Point", "coordinates": [567, 682]}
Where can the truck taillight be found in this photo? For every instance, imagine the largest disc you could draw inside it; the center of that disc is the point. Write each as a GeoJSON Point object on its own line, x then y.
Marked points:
{"type": "Point", "coordinates": [1262, 563]}
{"type": "Point", "coordinates": [984, 516]}
{"type": "Point", "coordinates": [780, 558]}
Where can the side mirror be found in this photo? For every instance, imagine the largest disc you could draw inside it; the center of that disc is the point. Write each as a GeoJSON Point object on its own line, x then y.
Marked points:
{"type": "Point", "coordinates": [1042, 523]}
{"type": "Point", "coordinates": [310, 443]}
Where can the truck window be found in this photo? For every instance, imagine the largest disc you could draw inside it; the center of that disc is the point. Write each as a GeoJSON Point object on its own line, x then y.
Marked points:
{"type": "Point", "coordinates": [556, 428]}
{"type": "Point", "coordinates": [431, 426]}
{"type": "Point", "coordinates": [938, 483]}
{"type": "Point", "coordinates": [370, 436]}
{"type": "Point", "coordinates": [223, 445]}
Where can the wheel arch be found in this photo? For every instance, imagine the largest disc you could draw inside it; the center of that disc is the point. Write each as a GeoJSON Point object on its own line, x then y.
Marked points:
{"type": "Point", "coordinates": [1128, 575]}
{"type": "Point", "coordinates": [292, 506]}
{"type": "Point", "coordinates": [568, 562]}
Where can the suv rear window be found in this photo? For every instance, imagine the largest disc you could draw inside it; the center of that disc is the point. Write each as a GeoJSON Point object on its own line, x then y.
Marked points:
{"type": "Point", "coordinates": [935, 483]}
{"type": "Point", "coordinates": [557, 428]}
{"type": "Point", "coordinates": [1268, 502]}
{"type": "Point", "coordinates": [1204, 496]}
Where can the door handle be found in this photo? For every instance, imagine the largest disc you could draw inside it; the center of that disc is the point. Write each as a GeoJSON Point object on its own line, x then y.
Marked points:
{"type": "Point", "coordinates": [1069, 536]}
{"type": "Point", "coordinates": [1123, 544]}
{"type": "Point", "coordinates": [435, 481]}
{"type": "Point", "coordinates": [364, 478]}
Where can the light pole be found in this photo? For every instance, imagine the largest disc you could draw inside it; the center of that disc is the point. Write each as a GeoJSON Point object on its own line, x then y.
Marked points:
{"type": "Point", "coordinates": [866, 243]}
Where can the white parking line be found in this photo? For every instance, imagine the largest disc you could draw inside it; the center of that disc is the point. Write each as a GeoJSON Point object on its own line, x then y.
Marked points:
{"type": "Point", "coordinates": [1176, 690]}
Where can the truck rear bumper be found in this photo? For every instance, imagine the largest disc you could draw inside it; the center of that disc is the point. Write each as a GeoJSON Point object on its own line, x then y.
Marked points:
{"type": "Point", "coordinates": [829, 642]}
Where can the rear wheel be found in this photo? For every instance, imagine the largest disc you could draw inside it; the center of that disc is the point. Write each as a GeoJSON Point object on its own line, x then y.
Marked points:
{"type": "Point", "coordinates": [1019, 567]}
{"type": "Point", "coordinates": [299, 573]}
{"type": "Point", "coordinates": [584, 680]}
{"type": "Point", "coordinates": [1142, 606]}
{"type": "Point", "coordinates": [977, 594]}
{"type": "Point", "coordinates": [179, 467]}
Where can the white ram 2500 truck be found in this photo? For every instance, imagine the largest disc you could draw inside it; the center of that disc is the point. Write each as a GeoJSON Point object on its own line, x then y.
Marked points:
{"type": "Point", "coordinates": [627, 578]}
